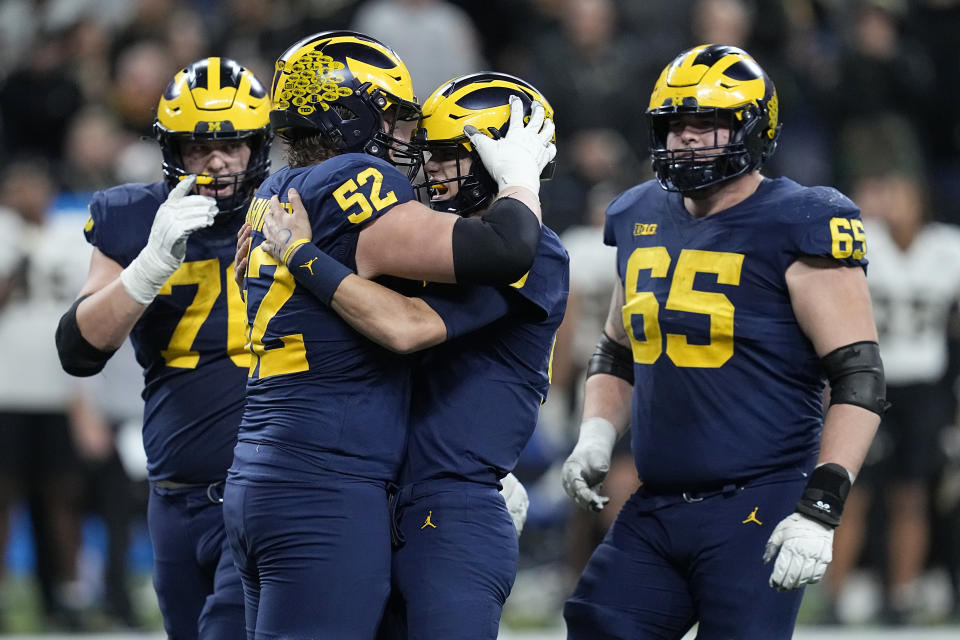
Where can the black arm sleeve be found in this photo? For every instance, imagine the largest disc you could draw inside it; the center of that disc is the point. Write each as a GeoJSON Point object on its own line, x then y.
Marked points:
{"type": "Point", "coordinates": [497, 248]}
{"type": "Point", "coordinates": [77, 356]}
{"type": "Point", "coordinates": [856, 376]}
{"type": "Point", "coordinates": [612, 358]}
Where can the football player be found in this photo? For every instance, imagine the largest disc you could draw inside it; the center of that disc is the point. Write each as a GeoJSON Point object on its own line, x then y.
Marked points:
{"type": "Point", "coordinates": [325, 423]}
{"type": "Point", "coordinates": [161, 272]}
{"type": "Point", "coordinates": [738, 296]}
{"type": "Point", "coordinates": [476, 397]}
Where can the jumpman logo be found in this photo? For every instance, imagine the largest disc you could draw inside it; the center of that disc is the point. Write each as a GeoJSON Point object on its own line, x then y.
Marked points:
{"type": "Point", "coordinates": [428, 522]}
{"type": "Point", "coordinates": [308, 265]}
{"type": "Point", "coordinates": [752, 517]}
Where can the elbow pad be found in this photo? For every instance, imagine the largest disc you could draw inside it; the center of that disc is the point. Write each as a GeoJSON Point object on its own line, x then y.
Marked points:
{"type": "Point", "coordinates": [77, 356]}
{"type": "Point", "coordinates": [498, 248]}
{"type": "Point", "coordinates": [855, 372]}
{"type": "Point", "coordinates": [612, 358]}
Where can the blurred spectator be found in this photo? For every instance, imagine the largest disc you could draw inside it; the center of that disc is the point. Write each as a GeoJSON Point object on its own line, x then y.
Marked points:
{"type": "Point", "coordinates": [39, 273]}
{"type": "Point", "coordinates": [914, 279]}
{"type": "Point", "coordinates": [94, 141]}
{"type": "Point", "coordinates": [105, 412]}
{"type": "Point", "coordinates": [588, 157]}
{"type": "Point", "coordinates": [37, 101]}
{"type": "Point", "coordinates": [592, 276]}
{"type": "Point", "coordinates": [143, 71]}
{"type": "Point", "coordinates": [590, 70]}
{"type": "Point", "coordinates": [436, 39]}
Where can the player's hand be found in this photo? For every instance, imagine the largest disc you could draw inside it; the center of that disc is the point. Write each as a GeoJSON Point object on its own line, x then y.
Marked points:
{"type": "Point", "coordinates": [242, 255]}
{"type": "Point", "coordinates": [517, 500]}
{"type": "Point", "coordinates": [588, 464]}
{"type": "Point", "coordinates": [282, 230]}
{"type": "Point", "coordinates": [519, 157]}
{"type": "Point", "coordinates": [179, 216]}
{"type": "Point", "coordinates": [806, 548]}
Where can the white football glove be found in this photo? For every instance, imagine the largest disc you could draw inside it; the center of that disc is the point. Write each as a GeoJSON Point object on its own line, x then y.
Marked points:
{"type": "Point", "coordinates": [806, 548]}
{"type": "Point", "coordinates": [176, 219]}
{"type": "Point", "coordinates": [588, 464]}
{"type": "Point", "coordinates": [521, 154]}
{"type": "Point", "coordinates": [517, 500]}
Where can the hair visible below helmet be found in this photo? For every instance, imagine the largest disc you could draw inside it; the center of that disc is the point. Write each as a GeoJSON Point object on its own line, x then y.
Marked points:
{"type": "Point", "coordinates": [483, 100]}
{"type": "Point", "coordinates": [348, 88]}
{"type": "Point", "coordinates": [216, 99]}
{"type": "Point", "coordinates": [727, 84]}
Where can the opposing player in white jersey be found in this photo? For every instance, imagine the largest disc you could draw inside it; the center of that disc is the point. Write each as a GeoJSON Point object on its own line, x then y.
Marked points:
{"type": "Point", "coordinates": [914, 280]}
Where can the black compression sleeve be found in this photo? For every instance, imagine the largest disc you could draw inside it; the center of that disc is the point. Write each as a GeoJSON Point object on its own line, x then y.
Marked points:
{"type": "Point", "coordinates": [856, 376]}
{"type": "Point", "coordinates": [612, 358]}
{"type": "Point", "coordinates": [77, 356]}
{"type": "Point", "coordinates": [497, 248]}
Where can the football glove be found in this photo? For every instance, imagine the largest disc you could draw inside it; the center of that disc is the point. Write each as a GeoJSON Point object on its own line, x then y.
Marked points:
{"type": "Point", "coordinates": [588, 464]}
{"type": "Point", "coordinates": [805, 549]}
{"type": "Point", "coordinates": [518, 157]}
{"type": "Point", "coordinates": [179, 216]}
{"type": "Point", "coordinates": [517, 500]}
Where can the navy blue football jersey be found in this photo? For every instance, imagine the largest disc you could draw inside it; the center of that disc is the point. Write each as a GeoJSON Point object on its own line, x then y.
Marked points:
{"type": "Point", "coordinates": [727, 386]}
{"type": "Point", "coordinates": [316, 386]}
{"type": "Point", "coordinates": [190, 341]}
{"type": "Point", "coordinates": [477, 396]}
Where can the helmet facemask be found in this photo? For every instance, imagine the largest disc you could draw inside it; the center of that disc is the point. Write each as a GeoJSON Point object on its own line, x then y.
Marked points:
{"type": "Point", "coordinates": [481, 100]}
{"type": "Point", "coordinates": [726, 89]}
{"type": "Point", "coordinates": [475, 187]}
{"type": "Point", "coordinates": [244, 182]}
{"type": "Point", "coordinates": [216, 100]}
{"type": "Point", "coordinates": [691, 169]}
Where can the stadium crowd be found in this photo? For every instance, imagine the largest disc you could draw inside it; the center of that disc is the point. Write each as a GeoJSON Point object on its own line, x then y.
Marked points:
{"type": "Point", "coordinates": [867, 92]}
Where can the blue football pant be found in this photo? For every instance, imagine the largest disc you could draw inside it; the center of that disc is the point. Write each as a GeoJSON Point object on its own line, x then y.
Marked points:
{"type": "Point", "coordinates": [666, 564]}
{"type": "Point", "coordinates": [197, 584]}
{"type": "Point", "coordinates": [456, 565]}
{"type": "Point", "coordinates": [314, 559]}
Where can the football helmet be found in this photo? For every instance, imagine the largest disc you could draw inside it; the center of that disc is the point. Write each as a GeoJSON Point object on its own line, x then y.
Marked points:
{"type": "Point", "coordinates": [725, 83]}
{"type": "Point", "coordinates": [483, 100]}
{"type": "Point", "coordinates": [349, 88]}
{"type": "Point", "coordinates": [216, 99]}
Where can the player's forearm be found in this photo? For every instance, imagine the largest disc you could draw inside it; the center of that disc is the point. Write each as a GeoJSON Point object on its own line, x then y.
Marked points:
{"type": "Point", "coordinates": [106, 317]}
{"type": "Point", "coordinates": [392, 320]}
{"type": "Point", "coordinates": [530, 199]}
{"type": "Point", "coordinates": [608, 397]}
{"type": "Point", "coordinates": [848, 431]}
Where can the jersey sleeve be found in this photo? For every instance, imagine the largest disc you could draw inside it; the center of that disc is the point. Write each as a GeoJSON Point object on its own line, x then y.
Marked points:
{"type": "Point", "coordinates": [120, 219]}
{"type": "Point", "coordinates": [466, 309]}
{"type": "Point", "coordinates": [341, 195]}
{"type": "Point", "coordinates": [547, 284]}
{"type": "Point", "coordinates": [829, 225]}
{"type": "Point", "coordinates": [614, 219]}
{"type": "Point", "coordinates": [354, 191]}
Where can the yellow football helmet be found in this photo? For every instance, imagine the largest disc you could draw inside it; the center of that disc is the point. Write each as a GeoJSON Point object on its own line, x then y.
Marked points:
{"type": "Point", "coordinates": [723, 82]}
{"type": "Point", "coordinates": [216, 99]}
{"type": "Point", "coordinates": [483, 100]}
{"type": "Point", "coordinates": [349, 88]}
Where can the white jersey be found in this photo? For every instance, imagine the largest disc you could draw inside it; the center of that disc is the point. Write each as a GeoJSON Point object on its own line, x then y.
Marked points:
{"type": "Point", "coordinates": [912, 292]}
{"type": "Point", "coordinates": [52, 262]}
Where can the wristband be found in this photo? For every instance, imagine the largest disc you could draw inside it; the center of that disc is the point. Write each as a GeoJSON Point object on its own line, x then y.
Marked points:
{"type": "Point", "coordinates": [825, 494]}
{"type": "Point", "coordinates": [292, 249]}
{"type": "Point", "coordinates": [316, 271]}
